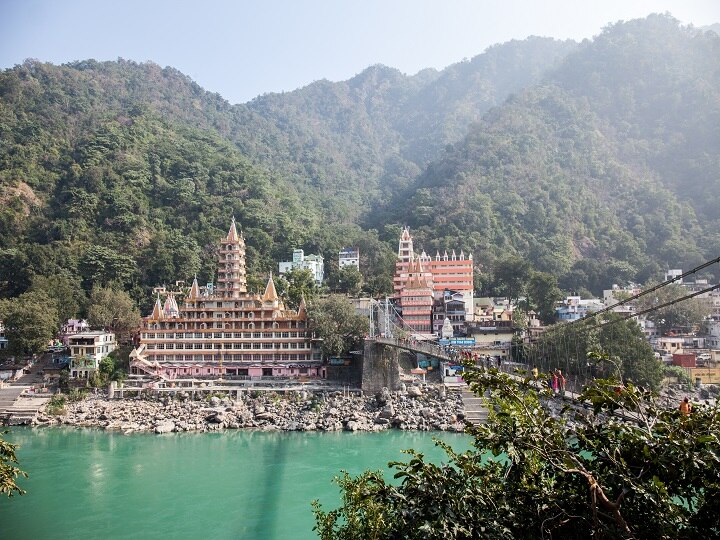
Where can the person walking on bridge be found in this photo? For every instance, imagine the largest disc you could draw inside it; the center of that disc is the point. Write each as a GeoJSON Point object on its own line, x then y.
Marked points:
{"type": "Point", "coordinates": [561, 382]}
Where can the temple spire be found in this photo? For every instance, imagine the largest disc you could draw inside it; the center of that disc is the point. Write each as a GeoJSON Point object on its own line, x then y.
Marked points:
{"type": "Point", "coordinates": [194, 290]}
{"type": "Point", "coordinates": [270, 291]}
{"type": "Point", "coordinates": [232, 235]}
{"type": "Point", "coordinates": [157, 312]}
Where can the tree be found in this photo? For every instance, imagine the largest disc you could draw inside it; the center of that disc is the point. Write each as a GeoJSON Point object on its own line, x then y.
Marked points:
{"type": "Point", "coordinates": [114, 310]}
{"type": "Point", "coordinates": [67, 292]}
{"type": "Point", "coordinates": [31, 321]}
{"type": "Point", "coordinates": [683, 315]}
{"type": "Point", "coordinates": [335, 322]}
{"type": "Point", "coordinates": [349, 280]}
{"type": "Point", "coordinates": [301, 284]}
{"type": "Point", "coordinates": [8, 470]}
{"type": "Point", "coordinates": [512, 275]}
{"type": "Point", "coordinates": [543, 292]}
{"type": "Point", "coordinates": [538, 474]}
{"type": "Point", "coordinates": [623, 349]}
{"type": "Point", "coordinates": [102, 265]}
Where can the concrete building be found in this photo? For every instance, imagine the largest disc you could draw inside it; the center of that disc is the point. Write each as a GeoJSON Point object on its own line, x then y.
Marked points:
{"type": "Point", "coordinates": [450, 307]}
{"type": "Point", "coordinates": [349, 256]}
{"type": "Point", "coordinates": [416, 300]}
{"type": "Point", "coordinates": [72, 327]}
{"type": "Point", "coordinates": [439, 273]}
{"type": "Point", "coordinates": [86, 351]}
{"type": "Point", "coordinates": [314, 263]}
{"type": "Point", "coordinates": [575, 308]}
{"type": "Point", "coordinates": [226, 331]}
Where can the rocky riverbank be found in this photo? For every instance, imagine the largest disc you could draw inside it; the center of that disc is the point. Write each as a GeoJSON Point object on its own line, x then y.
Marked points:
{"type": "Point", "coordinates": [414, 408]}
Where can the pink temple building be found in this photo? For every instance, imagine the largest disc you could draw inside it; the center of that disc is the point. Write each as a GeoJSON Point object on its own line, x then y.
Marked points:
{"type": "Point", "coordinates": [226, 331]}
{"type": "Point", "coordinates": [416, 273]}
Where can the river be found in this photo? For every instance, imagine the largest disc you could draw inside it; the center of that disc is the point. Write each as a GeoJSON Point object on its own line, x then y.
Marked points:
{"type": "Point", "coordinates": [233, 484]}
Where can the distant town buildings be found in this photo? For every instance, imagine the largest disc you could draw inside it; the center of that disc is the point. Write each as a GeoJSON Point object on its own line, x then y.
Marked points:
{"type": "Point", "coordinates": [72, 327]}
{"type": "Point", "coordinates": [349, 256]}
{"type": "Point", "coordinates": [314, 263]}
{"type": "Point", "coordinates": [225, 331]}
{"type": "Point", "coordinates": [574, 308]}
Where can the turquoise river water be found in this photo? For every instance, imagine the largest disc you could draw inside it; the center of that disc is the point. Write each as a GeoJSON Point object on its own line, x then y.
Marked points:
{"type": "Point", "coordinates": [233, 484]}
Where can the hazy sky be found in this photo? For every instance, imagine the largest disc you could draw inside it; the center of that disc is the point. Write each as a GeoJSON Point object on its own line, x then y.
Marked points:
{"type": "Point", "coordinates": [241, 49]}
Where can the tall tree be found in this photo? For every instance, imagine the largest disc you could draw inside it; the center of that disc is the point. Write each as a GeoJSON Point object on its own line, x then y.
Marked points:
{"type": "Point", "coordinates": [543, 292]}
{"type": "Point", "coordinates": [113, 309]}
{"type": "Point", "coordinates": [31, 321]}
{"type": "Point", "coordinates": [66, 289]}
{"type": "Point", "coordinates": [683, 315]}
{"type": "Point", "coordinates": [301, 284]}
{"type": "Point", "coordinates": [512, 275]}
{"type": "Point", "coordinates": [334, 321]}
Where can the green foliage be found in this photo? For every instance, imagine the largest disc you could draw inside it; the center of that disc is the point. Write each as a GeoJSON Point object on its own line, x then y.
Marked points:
{"type": "Point", "coordinates": [56, 405]}
{"type": "Point", "coordinates": [8, 470]}
{"type": "Point", "coordinates": [31, 321]}
{"type": "Point", "coordinates": [684, 315]}
{"type": "Point", "coordinates": [604, 173]}
{"type": "Point", "coordinates": [595, 349]}
{"type": "Point", "coordinates": [300, 284]}
{"type": "Point", "coordinates": [531, 475]}
{"type": "Point", "coordinates": [678, 373]}
{"type": "Point", "coordinates": [334, 321]}
{"type": "Point", "coordinates": [113, 309]}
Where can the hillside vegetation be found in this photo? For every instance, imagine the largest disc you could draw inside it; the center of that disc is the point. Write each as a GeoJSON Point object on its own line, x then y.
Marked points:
{"type": "Point", "coordinates": [597, 161]}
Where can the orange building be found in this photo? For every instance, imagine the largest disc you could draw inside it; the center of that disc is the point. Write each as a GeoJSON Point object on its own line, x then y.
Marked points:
{"type": "Point", "coordinates": [226, 331]}
{"type": "Point", "coordinates": [440, 273]}
{"type": "Point", "coordinates": [416, 300]}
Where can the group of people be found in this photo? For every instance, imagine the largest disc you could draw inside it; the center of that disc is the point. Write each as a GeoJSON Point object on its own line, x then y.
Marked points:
{"type": "Point", "coordinates": [556, 380]}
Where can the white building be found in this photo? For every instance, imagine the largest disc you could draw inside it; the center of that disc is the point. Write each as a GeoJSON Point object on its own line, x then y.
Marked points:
{"type": "Point", "coordinates": [314, 263]}
{"type": "Point", "coordinates": [349, 256]}
{"type": "Point", "coordinates": [86, 351]}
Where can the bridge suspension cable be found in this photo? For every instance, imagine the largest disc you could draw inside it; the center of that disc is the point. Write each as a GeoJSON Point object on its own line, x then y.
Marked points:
{"type": "Point", "coordinates": [651, 290]}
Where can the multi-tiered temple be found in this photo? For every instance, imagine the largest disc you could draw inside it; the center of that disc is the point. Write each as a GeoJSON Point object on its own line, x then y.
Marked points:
{"type": "Point", "coordinates": [224, 331]}
{"type": "Point", "coordinates": [420, 278]}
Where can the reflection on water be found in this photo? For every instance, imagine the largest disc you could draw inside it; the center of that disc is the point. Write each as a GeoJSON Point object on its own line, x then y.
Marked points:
{"type": "Point", "coordinates": [235, 484]}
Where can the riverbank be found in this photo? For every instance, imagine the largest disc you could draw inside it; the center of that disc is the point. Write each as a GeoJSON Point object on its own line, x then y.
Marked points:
{"type": "Point", "coordinates": [427, 408]}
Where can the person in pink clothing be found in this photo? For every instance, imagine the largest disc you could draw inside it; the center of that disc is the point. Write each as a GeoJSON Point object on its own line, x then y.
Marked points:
{"type": "Point", "coordinates": [554, 382]}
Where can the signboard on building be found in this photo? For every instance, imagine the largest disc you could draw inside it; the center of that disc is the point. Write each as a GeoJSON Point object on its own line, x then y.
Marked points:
{"type": "Point", "coordinates": [458, 342]}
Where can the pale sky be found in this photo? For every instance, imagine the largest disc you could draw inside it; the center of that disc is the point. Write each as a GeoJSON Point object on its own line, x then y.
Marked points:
{"type": "Point", "coordinates": [242, 49]}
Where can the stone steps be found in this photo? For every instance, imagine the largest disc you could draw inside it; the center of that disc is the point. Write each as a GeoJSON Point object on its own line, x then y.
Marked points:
{"type": "Point", "coordinates": [474, 408]}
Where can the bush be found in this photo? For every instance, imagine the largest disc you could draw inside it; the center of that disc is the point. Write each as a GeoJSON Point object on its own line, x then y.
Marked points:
{"type": "Point", "coordinates": [679, 373]}
{"type": "Point", "coordinates": [77, 394]}
{"type": "Point", "coordinates": [538, 474]}
{"type": "Point", "coordinates": [56, 405]}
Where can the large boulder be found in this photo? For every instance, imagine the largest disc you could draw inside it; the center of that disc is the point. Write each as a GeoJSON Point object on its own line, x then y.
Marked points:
{"type": "Point", "coordinates": [164, 427]}
{"type": "Point", "coordinates": [414, 391]}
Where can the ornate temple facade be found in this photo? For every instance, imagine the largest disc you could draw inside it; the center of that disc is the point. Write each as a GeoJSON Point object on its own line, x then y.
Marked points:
{"type": "Point", "coordinates": [223, 330]}
{"type": "Point", "coordinates": [441, 273]}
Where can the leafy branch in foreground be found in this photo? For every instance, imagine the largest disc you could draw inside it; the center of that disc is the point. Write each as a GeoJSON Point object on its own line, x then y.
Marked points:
{"type": "Point", "coordinates": [8, 471]}
{"type": "Point", "coordinates": [621, 466]}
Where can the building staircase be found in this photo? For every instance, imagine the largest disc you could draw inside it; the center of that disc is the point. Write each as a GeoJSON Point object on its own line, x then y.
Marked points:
{"type": "Point", "coordinates": [17, 408]}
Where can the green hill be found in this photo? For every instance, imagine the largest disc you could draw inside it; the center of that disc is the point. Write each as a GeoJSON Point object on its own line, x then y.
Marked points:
{"type": "Point", "coordinates": [597, 161]}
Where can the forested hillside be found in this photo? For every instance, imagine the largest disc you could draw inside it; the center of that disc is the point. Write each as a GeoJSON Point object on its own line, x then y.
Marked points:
{"type": "Point", "coordinates": [597, 161]}
{"type": "Point", "coordinates": [606, 172]}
